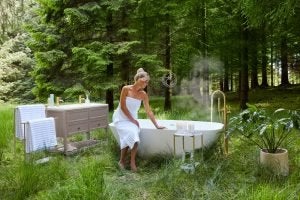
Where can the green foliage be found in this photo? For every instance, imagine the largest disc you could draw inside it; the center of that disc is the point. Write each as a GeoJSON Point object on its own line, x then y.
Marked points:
{"type": "Point", "coordinates": [124, 47]}
{"type": "Point", "coordinates": [15, 66]}
{"type": "Point", "coordinates": [57, 43]}
{"type": "Point", "coordinates": [147, 60]}
{"type": "Point", "coordinates": [6, 127]}
{"type": "Point", "coordinates": [11, 18]}
{"type": "Point", "coordinates": [266, 130]}
{"type": "Point", "coordinates": [75, 17]}
{"type": "Point", "coordinates": [91, 63]}
{"type": "Point", "coordinates": [50, 58]}
{"type": "Point", "coordinates": [132, 34]}
{"type": "Point", "coordinates": [70, 49]}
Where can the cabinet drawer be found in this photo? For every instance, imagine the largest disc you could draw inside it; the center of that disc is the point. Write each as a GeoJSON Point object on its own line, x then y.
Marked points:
{"type": "Point", "coordinates": [99, 111]}
{"type": "Point", "coordinates": [77, 126]}
{"type": "Point", "coordinates": [77, 114]}
{"type": "Point", "coordinates": [98, 122]}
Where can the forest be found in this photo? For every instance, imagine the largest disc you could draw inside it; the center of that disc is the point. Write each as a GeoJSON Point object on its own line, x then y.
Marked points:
{"type": "Point", "coordinates": [248, 50]}
{"type": "Point", "coordinates": [75, 47]}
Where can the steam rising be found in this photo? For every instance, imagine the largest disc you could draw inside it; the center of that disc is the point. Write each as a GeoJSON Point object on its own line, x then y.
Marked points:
{"type": "Point", "coordinates": [195, 84]}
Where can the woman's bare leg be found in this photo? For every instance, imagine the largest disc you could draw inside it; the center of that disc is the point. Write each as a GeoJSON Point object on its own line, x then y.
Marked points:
{"type": "Point", "coordinates": [123, 157]}
{"type": "Point", "coordinates": [132, 157]}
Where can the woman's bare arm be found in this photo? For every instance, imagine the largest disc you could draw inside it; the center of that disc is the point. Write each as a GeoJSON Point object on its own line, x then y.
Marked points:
{"type": "Point", "coordinates": [149, 111]}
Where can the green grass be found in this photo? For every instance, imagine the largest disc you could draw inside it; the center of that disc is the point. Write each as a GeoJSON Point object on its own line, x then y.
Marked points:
{"type": "Point", "coordinates": [6, 129]}
{"type": "Point", "coordinates": [94, 174]}
{"type": "Point", "coordinates": [271, 98]}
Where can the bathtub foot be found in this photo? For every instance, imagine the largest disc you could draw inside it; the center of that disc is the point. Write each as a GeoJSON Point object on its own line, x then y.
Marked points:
{"type": "Point", "coordinates": [188, 168]}
{"type": "Point", "coordinates": [192, 156]}
{"type": "Point", "coordinates": [186, 154]}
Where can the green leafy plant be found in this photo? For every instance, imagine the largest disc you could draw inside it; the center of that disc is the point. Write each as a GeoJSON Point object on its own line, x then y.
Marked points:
{"type": "Point", "coordinates": [266, 130]}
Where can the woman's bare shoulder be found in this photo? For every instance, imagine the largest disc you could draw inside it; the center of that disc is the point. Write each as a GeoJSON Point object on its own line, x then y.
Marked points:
{"type": "Point", "coordinates": [126, 87]}
{"type": "Point", "coordinates": [143, 94]}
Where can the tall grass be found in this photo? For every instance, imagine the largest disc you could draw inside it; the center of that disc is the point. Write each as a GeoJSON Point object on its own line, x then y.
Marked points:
{"type": "Point", "coordinates": [6, 128]}
{"type": "Point", "coordinates": [94, 173]}
{"type": "Point", "coordinates": [86, 182]}
{"type": "Point", "coordinates": [24, 179]}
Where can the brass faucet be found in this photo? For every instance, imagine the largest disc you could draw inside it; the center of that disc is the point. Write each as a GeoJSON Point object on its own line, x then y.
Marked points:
{"type": "Point", "coordinates": [59, 100]}
{"type": "Point", "coordinates": [80, 98]}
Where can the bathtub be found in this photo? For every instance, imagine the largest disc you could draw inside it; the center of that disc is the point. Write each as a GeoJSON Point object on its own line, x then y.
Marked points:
{"type": "Point", "coordinates": [161, 141]}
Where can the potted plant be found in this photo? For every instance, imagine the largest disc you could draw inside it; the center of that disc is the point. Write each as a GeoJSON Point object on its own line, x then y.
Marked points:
{"type": "Point", "coordinates": [268, 131]}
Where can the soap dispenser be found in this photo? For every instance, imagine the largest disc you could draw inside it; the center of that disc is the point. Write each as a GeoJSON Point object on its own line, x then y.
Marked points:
{"type": "Point", "coordinates": [51, 100]}
{"type": "Point", "coordinates": [87, 100]}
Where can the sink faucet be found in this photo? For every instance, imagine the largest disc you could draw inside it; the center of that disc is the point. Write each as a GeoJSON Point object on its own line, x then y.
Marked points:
{"type": "Point", "coordinates": [58, 100]}
{"type": "Point", "coordinates": [80, 98]}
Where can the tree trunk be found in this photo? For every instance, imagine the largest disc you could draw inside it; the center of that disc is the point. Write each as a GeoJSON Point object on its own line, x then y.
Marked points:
{"type": "Point", "coordinates": [109, 96]}
{"type": "Point", "coordinates": [205, 50]}
{"type": "Point", "coordinates": [264, 62]}
{"type": "Point", "coordinates": [254, 61]}
{"type": "Point", "coordinates": [244, 69]}
{"type": "Point", "coordinates": [221, 83]}
{"type": "Point", "coordinates": [226, 76]}
{"type": "Point", "coordinates": [232, 81]}
{"type": "Point", "coordinates": [272, 64]}
{"type": "Point", "coordinates": [167, 105]}
{"type": "Point", "coordinates": [144, 35]}
{"type": "Point", "coordinates": [284, 61]}
{"type": "Point", "coordinates": [125, 60]}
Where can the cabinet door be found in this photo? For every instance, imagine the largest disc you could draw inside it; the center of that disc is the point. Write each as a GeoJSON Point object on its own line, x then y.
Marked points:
{"type": "Point", "coordinates": [98, 111]}
{"type": "Point", "coordinates": [98, 117]}
{"type": "Point", "coordinates": [98, 122]}
{"type": "Point", "coordinates": [77, 115]}
{"type": "Point", "coordinates": [77, 121]}
{"type": "Point", "coordinates": [77, 126]}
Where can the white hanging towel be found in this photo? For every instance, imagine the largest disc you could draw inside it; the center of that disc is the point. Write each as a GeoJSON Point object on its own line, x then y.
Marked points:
{"type": "Point", "coordinates": [24, 113]}
{"type": "Point", "coordinates": [40, 134]}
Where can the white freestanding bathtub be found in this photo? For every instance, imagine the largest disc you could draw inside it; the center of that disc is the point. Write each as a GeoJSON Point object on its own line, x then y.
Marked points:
{"type": "Point", "coordinates": [161, 141]}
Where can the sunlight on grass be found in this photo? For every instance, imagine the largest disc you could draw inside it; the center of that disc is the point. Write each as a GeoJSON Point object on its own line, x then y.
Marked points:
{"type": "Point", "coordinates": [263, 105]}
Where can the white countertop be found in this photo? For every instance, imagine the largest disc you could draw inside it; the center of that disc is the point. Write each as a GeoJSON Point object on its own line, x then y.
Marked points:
{"type": "Point", "coordinates": [75, 106]}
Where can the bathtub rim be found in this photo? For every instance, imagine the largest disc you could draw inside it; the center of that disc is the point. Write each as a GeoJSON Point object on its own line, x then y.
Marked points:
{"type": "Point", "coordinates": [221, 128]}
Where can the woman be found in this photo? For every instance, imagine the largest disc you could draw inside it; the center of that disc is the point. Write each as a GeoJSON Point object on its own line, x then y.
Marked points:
{"type": "Point", "coordinates": [125, 116]}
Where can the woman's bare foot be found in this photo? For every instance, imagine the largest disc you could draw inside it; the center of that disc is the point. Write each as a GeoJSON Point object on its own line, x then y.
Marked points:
{"type": "Point", "coordinates": [133, 167]}
{"type": "Point", "coordinates": [121, 165]}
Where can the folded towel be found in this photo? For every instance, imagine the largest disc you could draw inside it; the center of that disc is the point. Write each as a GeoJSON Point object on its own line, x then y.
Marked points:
{"type": "Point", "coordinates": [40, 134]}
{"type": "Point", "coordinates": [24, 113]}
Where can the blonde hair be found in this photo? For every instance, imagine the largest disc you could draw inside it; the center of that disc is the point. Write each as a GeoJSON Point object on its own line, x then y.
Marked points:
{"type": "Point", "coordinates": [140, 73]}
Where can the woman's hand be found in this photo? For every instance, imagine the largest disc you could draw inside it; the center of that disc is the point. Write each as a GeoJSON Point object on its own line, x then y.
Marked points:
{"type": "Point", "coordinates": [136, 123]}
{"type": "Point", "coordinates": [160, 127]}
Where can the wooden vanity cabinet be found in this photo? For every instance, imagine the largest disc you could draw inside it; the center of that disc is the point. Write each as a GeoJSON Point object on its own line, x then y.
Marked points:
{"type": "Point", "coordinates": [78, 118]}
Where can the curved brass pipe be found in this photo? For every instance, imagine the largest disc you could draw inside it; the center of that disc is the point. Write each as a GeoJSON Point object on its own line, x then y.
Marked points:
{"type": "Point", "coordinates": [225, 112]}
